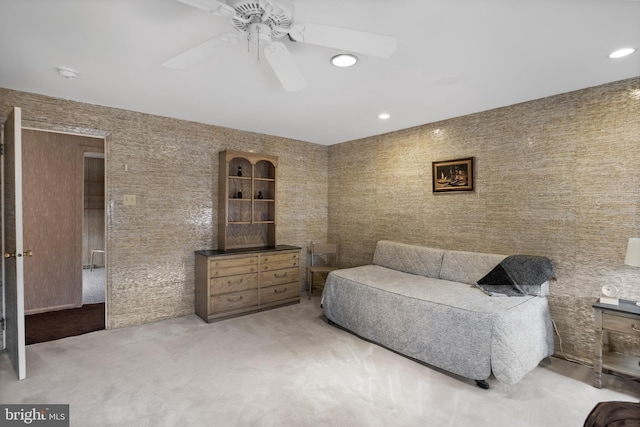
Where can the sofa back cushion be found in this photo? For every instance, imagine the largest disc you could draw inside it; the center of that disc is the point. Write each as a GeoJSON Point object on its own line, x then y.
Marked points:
{"type": "Point", "coordinates": [467, 267]}
{"type": "Point", "coordinates": [412, 259]}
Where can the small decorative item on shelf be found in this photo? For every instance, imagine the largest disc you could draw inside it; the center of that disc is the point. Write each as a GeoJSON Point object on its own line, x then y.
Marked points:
{"type": "Point", "coordinates": [260, 196]}
{"type": "Point", "coordinates": [239, 194]}
{"type": "Point", "coordinates": [239, 170]}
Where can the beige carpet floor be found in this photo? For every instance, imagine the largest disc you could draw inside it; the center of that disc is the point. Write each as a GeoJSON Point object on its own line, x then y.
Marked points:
{"type": "Point", "coordinates": [93, 285]}
{"type": "Point", "coordinates": [284, 367]}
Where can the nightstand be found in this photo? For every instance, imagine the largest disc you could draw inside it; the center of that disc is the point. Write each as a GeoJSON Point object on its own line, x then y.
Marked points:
{"type": "Point", "coordinates": [624, 319]}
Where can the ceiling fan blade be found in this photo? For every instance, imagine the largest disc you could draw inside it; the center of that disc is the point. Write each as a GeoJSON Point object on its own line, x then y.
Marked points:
{"type": "Point", "coordinates": [200, 52]}
{"type": "Point", "coordinates": [344, 39]}
{"type": "Point", "coordinates": [285, 67]}
{"type": "Point", "coordinates": [211, 6]}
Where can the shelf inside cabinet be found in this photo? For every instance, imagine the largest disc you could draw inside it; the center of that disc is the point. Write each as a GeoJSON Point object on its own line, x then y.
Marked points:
{"type": "Point", "coordinates": [263, 211]}
{"type": "Point", "coordinates": [240, 167]}
{"type": "Point", "coordinates": [265, 169]}
{"type": "Point", "coordinates": [239, 210]}
{"type": "Point", "coordinates": [622, 363]}
{"type": "Point", "coordinates": [265, 188]}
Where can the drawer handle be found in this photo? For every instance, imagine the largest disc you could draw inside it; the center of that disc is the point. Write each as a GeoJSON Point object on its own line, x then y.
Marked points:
{"type": "Point", "coordinates": [237, 282]}
{"type": "Point", "coordinates": [634, 328]}
{"type": "Point", "coordinates": [236, 299]}
{"type": "Point", "coordinates": [279, 275]}
{"type": "Point", "coordinates": [276, 291]}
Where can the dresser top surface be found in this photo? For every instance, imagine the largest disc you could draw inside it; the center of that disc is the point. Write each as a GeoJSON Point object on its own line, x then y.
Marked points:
{"type": "Point", "coordinates": [240, 251]}
{"type": "Point", "coordinates": [624, 306]}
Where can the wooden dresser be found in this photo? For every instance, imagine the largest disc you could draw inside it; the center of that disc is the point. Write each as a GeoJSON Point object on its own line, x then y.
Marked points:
{"type": "Point", "coordinates": [241, 281]}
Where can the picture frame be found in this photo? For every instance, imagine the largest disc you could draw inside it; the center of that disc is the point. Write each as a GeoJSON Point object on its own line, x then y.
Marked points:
{"type": "Point", "coordinates": [453, 175]}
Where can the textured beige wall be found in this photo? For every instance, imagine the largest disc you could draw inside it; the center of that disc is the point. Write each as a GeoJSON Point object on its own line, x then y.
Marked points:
{"type": "Point", "coordinates": [173, 169]}
{"type": "Point", "coordinates": [557, 177]}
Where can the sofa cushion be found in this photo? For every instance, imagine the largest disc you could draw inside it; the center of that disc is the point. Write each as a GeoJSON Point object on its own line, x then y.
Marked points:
{"type": "Point", "coordinates": [467, 267]}
{"type": "Point", "coordinates": [412, 259]}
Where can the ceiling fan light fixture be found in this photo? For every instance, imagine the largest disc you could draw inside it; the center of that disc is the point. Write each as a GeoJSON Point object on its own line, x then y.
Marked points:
{"type": "Point", "coordinates": [259, 32]}
{"type": "Point", "coordinates": [622, 52]}
{"type": "Point", "coordinates": [344, 60]}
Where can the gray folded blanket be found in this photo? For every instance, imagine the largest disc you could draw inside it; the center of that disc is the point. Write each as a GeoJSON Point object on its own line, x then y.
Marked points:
{"type": "Point", "coordinates": [518, 275]}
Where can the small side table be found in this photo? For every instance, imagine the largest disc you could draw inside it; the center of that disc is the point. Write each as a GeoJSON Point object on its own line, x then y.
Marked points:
{"type": "Point", "coordinates": [624, 319]}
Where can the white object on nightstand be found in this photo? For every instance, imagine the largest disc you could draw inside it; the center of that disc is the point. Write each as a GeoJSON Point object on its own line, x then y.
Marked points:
{"type": "Point", "coordinates": [609, 295]}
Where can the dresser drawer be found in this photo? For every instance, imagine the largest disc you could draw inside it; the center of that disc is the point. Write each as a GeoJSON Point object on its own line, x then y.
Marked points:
{"type": "Point", "coordinates": [621, 324]}
{"type": "Point", "coordinates": [227, 267]}
{"type": "Point", "coordinates": [224, 262]}
{"type": "Point", "coordinates": [234, 300]}
{"type": "Point", "coordinates": [279, 261]}
{"type": "Point", "coordinates": [223, 285]}
{"type": "Point", "coordinates": [280, 292]}
{"type": "Point", "coordinates": [278, 277]}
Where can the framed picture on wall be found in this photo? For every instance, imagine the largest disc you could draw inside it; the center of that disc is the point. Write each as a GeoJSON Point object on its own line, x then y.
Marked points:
{"type": "Point", "coordinates": [453, 175]}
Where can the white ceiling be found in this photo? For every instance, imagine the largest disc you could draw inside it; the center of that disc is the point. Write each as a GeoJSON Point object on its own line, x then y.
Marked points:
{"type": "Point", "coordinates": [454, 57]}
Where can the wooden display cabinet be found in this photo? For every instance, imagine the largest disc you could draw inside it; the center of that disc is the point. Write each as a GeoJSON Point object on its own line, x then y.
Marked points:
{"type": "Point", "coordinates": [248, 272]}
{"type": "Point", "coordinates": [247, 200]}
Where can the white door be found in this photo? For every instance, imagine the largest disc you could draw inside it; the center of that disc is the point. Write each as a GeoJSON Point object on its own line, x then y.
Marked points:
{"type": "Point", "coordinates": [12, 245]}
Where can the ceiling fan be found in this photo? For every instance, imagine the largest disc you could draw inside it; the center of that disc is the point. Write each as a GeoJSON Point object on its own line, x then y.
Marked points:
{"type": "Point", "coordinates": [261, 22]}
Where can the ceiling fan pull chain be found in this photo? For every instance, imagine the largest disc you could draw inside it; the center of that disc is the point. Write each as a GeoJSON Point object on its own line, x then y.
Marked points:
{"type": "Point", "coordinates": [258, 61]}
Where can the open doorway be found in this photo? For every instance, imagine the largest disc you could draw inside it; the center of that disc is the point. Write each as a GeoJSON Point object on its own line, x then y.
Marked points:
{"type": "Point", "coordinates": [59, 209]}
{"type": "Point", "coordinates": [93, 228]}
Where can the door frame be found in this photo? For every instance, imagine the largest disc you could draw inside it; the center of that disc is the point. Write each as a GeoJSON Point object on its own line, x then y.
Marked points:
{"type": "Point", "coordinates": [97, 134]}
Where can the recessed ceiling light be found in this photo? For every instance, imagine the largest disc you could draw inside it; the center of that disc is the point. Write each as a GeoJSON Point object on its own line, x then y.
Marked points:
{"type": "Point", "coordinates": [67, 73]}
{"type": "Point", "coordinates": [622, 52]}
{"type": "Point", "coordinates": [384, 116]}
{"type": "Point", "coordinates": [344, 60]}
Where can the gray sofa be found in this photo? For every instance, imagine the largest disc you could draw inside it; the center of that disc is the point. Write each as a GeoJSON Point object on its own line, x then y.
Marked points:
{"type": "Point", "coordinates": [421, 302]}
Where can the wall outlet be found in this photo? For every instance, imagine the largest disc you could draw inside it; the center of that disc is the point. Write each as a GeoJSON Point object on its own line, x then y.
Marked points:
{"type": "Point", "coordinates": [130, 199]}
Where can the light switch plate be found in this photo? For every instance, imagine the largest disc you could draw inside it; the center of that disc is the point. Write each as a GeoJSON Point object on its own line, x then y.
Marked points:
{"type": "Point", "coordinates": [130, 199]}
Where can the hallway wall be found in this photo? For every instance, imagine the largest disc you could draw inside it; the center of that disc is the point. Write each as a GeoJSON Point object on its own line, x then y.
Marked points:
{"type": "Point", "coordinates": [93, 221]}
